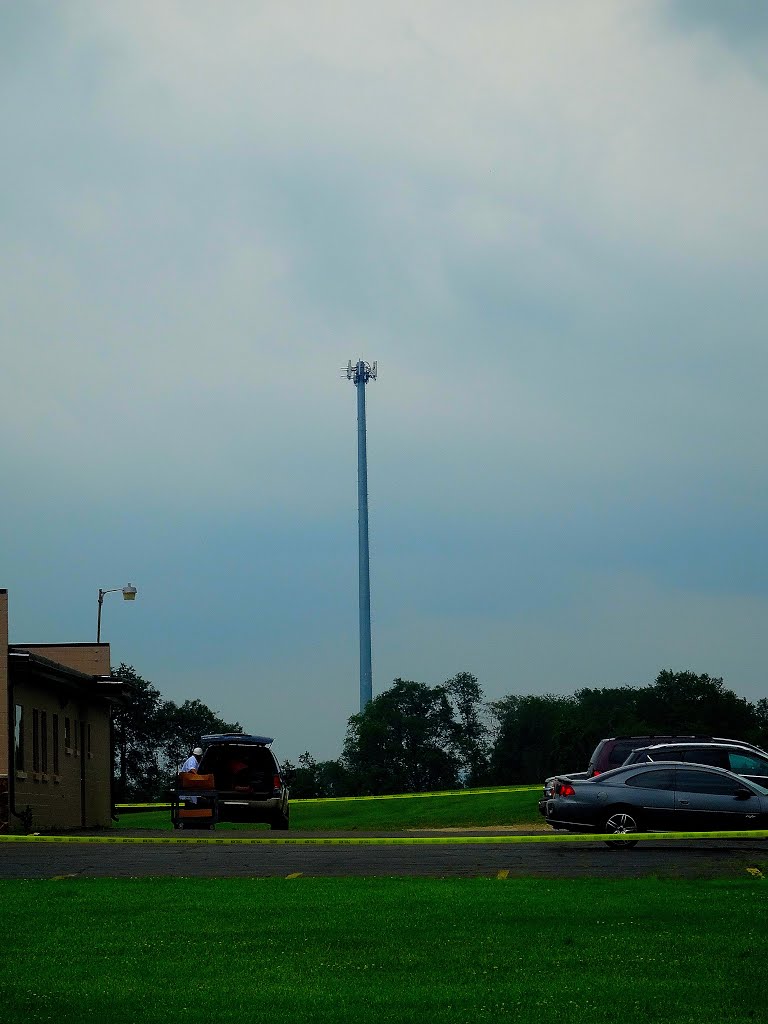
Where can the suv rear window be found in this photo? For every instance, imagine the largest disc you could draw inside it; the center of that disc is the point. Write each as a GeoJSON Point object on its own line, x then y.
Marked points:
{"type": "Point", "coordinates": [620, 753]}
{"type": "Point", "coordinates": [617, 755]}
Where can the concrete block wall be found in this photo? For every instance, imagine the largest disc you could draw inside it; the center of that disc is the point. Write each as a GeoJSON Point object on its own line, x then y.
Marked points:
{"type": "Point", "coordinates": [55, 796]}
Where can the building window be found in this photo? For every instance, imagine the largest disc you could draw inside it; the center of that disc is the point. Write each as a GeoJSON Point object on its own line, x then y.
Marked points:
{"type": "Point", "coordinates": [18, 738]}
{"type": "Point", "coordinates": [44, 741]}
{"type": "Point", "coordinates": [77, 739]}
{"type": "Point", "coordinates": [67, 735]}
{"type": "Point", "coordinates": [35, 740]}
{"type": "Point", "coordinates": [90, 754]}
{"type": "Point", "coordinates": [55, 743]}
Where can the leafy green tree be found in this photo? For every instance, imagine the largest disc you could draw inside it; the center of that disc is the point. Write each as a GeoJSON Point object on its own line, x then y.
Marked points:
{"type": "Point", "coordinates": [403, 741]}
{"type": "Point", "coordinates": [686, 703]}
{"type": "Point", "coordinates": [471, 735]}
{"type": "Point", "coordinates": [313, 778]}
{"type": "Point", "coordinates": [333, 779]}
{"type": "Point", "coordinates": [537, 736]}
{"type": "Point", "coordinates": [181, 726]}
{"type": "Point", "coordinates": [153, 736]}
{"type": "Point", "coordinates": [598, 713]}
{"type": "Point", "coordinates": [533, 739]}
{"type": "Point", "coordinates": [761, 713]}
{"type": "Point", "coordinates": [137, 738]}
{"type": "Point", "coordinates": [302, 779]}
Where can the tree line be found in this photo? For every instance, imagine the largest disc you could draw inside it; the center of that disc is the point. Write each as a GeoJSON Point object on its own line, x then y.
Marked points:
{"type": "Point", "coordinates": [153, 737]}
{"type": "Point", "coordinates": [414, 737]}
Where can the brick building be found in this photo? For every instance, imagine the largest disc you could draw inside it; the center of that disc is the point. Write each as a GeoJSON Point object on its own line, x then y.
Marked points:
{"type": "Point", "coordinates": [56, 749]}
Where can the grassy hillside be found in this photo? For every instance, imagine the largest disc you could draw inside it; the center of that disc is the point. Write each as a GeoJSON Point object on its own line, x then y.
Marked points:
{"type": "Point", "coordinates": [418, 812]}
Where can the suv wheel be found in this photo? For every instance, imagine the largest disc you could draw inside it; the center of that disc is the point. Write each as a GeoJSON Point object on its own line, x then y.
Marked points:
{"type": "Point", "coordinates": [620, 822]}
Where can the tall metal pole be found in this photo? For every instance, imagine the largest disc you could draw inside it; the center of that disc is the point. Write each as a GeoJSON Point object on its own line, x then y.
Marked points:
{"type": "Point", "coordinates": [361, 373]}
{"type": "Point", "coordinates": [366, 674]}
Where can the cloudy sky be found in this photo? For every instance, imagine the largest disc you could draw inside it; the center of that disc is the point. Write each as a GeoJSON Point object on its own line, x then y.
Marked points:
{"type": "Point", "coordinates": [545, 219]}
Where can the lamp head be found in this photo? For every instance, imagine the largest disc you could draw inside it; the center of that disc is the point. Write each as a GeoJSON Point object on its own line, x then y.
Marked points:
{"type": "Point", "coordinates": [129, 593]}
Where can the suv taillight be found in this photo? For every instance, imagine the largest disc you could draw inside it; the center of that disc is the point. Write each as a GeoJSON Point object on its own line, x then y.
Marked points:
{"type": "Point", "coordinates": [276, 782]}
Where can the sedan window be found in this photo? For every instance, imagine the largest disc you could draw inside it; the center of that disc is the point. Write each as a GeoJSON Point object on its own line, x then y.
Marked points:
{"type": "Point", "coordinates": [664, 778]}
{"type": "Point", "coordinates": [690, 781]}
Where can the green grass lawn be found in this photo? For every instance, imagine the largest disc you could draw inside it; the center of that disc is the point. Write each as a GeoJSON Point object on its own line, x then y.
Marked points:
{"type": "Point", "coordinates": [475, 809]}
{"type": "Point", "coordinates": [365, 951]}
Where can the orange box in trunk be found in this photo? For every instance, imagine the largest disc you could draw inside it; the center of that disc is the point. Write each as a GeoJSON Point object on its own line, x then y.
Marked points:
{"type": "Point", "coordinates": [191, 780]}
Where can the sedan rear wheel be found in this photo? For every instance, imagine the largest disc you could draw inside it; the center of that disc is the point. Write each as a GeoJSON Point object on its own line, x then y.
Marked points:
{"type": "Point", "coordinates": [621, 822]}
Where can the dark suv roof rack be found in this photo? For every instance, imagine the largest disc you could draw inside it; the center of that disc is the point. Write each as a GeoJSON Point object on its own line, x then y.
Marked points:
{"type": "Point", "coordinates": [677, 736]}
{"type": "Point", "coordinates": [237, 737]}
{"type": "Point", "coordinates": [684, 742]}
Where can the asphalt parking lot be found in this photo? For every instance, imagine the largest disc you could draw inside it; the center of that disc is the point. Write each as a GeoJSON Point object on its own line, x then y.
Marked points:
{"type": "Point", "coordinates": [160, 855]}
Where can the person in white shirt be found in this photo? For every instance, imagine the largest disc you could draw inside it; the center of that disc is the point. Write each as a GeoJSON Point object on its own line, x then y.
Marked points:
{"type": "Point", "coordinates": [192, 762]}
{"type": "Point", "coordinates": [191, 765]}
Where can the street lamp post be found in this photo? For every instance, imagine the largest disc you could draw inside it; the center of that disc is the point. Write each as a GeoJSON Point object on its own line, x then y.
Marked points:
{"type": "Point", "coordinates": [129, 594]}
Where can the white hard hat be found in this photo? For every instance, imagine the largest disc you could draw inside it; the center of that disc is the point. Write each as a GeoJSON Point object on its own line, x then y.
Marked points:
{"type": "Point", "coordinates": [198, 751]}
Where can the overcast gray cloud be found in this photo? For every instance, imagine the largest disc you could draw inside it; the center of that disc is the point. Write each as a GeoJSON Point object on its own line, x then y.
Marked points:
{"type": "Point", "coordinates": [547, 223]}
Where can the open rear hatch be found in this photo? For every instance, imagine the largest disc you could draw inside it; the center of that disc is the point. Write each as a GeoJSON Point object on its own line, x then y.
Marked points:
{"type": "Point", "coordinates": [243, 767]}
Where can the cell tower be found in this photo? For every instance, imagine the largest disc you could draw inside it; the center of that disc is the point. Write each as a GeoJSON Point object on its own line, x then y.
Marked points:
{"type": "Point", "coordinates": [361, 373]}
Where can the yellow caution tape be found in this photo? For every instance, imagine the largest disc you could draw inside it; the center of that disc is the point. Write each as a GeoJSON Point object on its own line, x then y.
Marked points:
{"type": "Point", "coordinates": [415, 796]}
{"type": "Point", "coordinates": [385, 796]}
{"type": "Point", "coordinates": [569, 837]}
{"type": "Point", "coordinates": [135, 807]}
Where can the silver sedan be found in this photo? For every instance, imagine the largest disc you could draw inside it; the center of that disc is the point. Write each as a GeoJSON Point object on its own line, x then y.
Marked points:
{"type": "Point", "coordinates": [665, 796]}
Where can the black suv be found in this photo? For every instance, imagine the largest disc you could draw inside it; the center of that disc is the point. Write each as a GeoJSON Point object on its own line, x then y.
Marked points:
{"type": "Point", "coordinates": [613, 752]}
{"type": "Point", "coordinates": [248, 778]}
{"type": "Point", "coordinates": [740, 758]}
